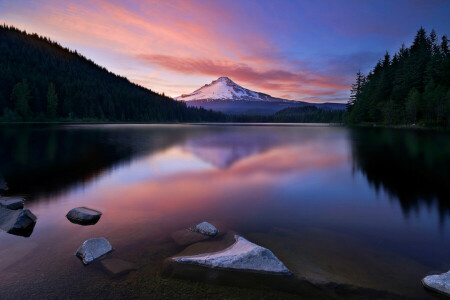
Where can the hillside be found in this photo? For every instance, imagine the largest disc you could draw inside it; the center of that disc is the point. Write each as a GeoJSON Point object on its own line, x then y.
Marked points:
{"type": "Point", "coordinates": [40, 80]}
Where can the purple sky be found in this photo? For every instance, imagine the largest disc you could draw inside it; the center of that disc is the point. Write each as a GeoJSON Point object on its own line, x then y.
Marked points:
{"type": "Point", "coordinates": [300, 50]}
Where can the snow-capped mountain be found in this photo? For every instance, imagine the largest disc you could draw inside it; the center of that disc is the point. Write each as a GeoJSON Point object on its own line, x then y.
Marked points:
{"type": "Point", "coordinates": [228, 97]}
{"type": "Point", "coordinates": [224, 88]}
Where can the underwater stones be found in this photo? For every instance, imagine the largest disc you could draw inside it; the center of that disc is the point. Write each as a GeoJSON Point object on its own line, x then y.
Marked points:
{"type": "Point", "coordinates": [11, 203]}
{"type": "Point", "coordinates": [93, 249]}
{"type": "Point", "coordinates": [18, 222]}
{"type": "Point", "coordinates": [205, 228]}
{"type": "Point", "coordinates": [84, 216]}
{"type": "Point", "coordinates": [241, 256]}
{"type": "Point", "coordinates": [187, 237]}
{"type": "Point", "coordinates": [438, 283]}
{"type": "Point", "coordinates": [118, 266]}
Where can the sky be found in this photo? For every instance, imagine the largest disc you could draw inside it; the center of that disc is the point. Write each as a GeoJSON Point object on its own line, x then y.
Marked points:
{"type": "Point", "coordinates": [298, 50]}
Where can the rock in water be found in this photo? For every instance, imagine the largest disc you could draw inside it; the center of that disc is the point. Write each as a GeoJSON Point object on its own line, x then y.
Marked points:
{"type": "Point", "coordinates": [84, 216]}
{"type": "Point", "coordinates": [241, 256]}
{"type": "Point", "coordinates": [205, 228]}
{"type": "Point", "coordinates": [118, 266]}
{"type": "Point", "coordinates": [438, 283]}
{"type": "Point", "coordinates": [93, 249]}
{"type": "Point", "coordinates": [187, 237]}
{"type": "Point", "coordinates": [11, 203]}
{"type": "Point", "coordinates": [18, 222]}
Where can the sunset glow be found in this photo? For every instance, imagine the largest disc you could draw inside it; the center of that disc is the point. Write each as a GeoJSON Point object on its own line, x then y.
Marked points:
{"type": "Point", "coordinates": [298, 50]}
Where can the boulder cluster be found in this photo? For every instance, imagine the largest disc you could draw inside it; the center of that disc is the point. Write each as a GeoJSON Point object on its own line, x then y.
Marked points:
{"type": "Point", "coordinates": [14, 219]}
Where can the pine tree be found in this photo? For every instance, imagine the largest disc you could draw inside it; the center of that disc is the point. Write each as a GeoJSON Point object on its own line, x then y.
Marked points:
{"type": "Point", "coordinates": [21, 98]}
{"type": "Point", "coordinates": [412, 105]}
{"type": "Point", "coordinates": [355, 92]}
{"type": "Point", "coordinates": [444, 46]}
{"type": "Point", "coordinates": [52, 101]}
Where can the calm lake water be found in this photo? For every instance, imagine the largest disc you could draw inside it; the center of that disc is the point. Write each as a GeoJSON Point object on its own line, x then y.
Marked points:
{"type": "Point", "coordinates": [364, 207]}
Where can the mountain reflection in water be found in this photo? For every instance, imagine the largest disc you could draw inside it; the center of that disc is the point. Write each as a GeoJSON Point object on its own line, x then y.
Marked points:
{"type": "Point", "coordinates": [412, 166]}
{"type": "Point", "coordinates": [330, 202]}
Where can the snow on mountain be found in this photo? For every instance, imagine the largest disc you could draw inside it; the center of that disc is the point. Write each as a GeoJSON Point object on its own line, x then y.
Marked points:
{"type": "Point", "coordinates": [224, 88]}
{"type": "Point", "coordinates": [230, 98]}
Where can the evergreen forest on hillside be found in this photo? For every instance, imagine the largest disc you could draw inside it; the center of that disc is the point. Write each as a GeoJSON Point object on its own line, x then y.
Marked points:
{"type": "Point", "coordinates": [42, 81]}
{"type": "Point", "coordinates": [411, 87]}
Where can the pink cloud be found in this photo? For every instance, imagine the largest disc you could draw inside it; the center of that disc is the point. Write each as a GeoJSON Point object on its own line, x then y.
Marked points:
{"type": "Point", "coordinates": [180, 38]}
{"type": "Point", "coordinates": [301, 82]}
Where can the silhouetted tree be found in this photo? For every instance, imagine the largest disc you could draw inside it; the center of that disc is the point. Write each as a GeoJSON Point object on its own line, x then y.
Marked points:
{"type": "Point", "coordinates": [52, 101]}
{"type": "Point", "coordinates": [20, 96]}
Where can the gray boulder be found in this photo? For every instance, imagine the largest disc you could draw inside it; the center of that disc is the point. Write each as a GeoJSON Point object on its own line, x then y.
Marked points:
{"type": "Point", "coordinates": [84, 216]}
{"type": "Point", "coordinates": [11, 203]}
{"type": "Point", "coordinates": [18, 222]}
{"type": "Point", "coordinates": [438, 283]}
{"type": "Point", "coordinates": [241, 256]}
{"type": "Point", "coordinates": [93, 249]}
{"type": "Point", "coordinates": [205, 228]}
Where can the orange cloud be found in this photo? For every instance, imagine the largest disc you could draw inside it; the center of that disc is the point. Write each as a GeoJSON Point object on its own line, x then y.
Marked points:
{"type": "Point", "coordinates": [305, 82]}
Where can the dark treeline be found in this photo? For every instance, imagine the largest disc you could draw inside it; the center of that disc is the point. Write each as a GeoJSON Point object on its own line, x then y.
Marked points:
{"type": "Point", "coordinates": [411, 87]}
{"type": "Point", "coordinates": [41, 81]}
{"type": "Point", "coordinates": [305, 114]}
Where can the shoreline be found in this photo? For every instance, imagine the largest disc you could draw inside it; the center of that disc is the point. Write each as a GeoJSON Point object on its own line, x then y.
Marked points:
{"type": "Point", "coordinates": [401, 127]}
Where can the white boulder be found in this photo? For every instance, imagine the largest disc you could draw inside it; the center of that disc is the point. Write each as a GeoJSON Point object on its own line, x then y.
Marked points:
{"type": "Point", "coordinates": [438, 283]}
{"type": "Point", "coordinates": [241, 256]}
{"type": "Point", "coordinates": [93, 249]}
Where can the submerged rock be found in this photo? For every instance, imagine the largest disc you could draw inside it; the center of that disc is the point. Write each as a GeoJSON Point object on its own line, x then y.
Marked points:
{"type": "Point", "coordinates": [187, 237]}
{"type": "Point", "coordinates": [11, 203]}
{"type": "Point", "coordinates": [241, 256]}
{"type": "Point", "coordinates": [118, 266]}
{"type": "Point", "coordinates": [438, 283]}
{"type": "Point", "coordinates": [205, 228]}
{"type": "Point", "coordinates": [93, 249]}
{"type": "Point", "coordinates": [84, 216]}
{"type": "Point", "coordinates": [18, 222]}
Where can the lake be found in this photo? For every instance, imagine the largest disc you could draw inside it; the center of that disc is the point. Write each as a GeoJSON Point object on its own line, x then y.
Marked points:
{"type": "Point", "coordinates": [364, 207]}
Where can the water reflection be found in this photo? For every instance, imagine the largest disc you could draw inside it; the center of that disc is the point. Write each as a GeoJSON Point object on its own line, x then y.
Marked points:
{"type": "Point", "coordinates": [412, 166]}
{"type": "Point", "coordinates": [289, 189]}
{"type": "Point", "coordinates": [44, 160]}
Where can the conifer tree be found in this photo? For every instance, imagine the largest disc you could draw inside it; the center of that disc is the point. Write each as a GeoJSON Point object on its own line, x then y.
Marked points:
{"type": "Point", "coordinates": [21, 97]}
{"type": "Point", "coordinates": [52, 101]}
{"type": "Point", "coordinates": [355, 92]}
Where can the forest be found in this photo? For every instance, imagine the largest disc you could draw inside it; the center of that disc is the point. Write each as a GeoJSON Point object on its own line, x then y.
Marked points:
{"type": "Point", "coordinates": [410, 87]}
{"type": "Point", "coordinates": [305, 114]}
{"type": "Point", "coordinates": [42, 81]}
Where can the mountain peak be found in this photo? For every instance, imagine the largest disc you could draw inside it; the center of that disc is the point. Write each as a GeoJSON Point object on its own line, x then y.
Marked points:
{"type": "Point", "coordinates": [223, 78]}
{"type": "Point", "coordinates": [223, 88]}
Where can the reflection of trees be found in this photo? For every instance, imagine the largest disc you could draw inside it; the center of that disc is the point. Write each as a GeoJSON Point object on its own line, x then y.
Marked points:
{"type": "Point", "coordinates": [43, 160]}
{"type": "Point", "coordinates": [413, 166]}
